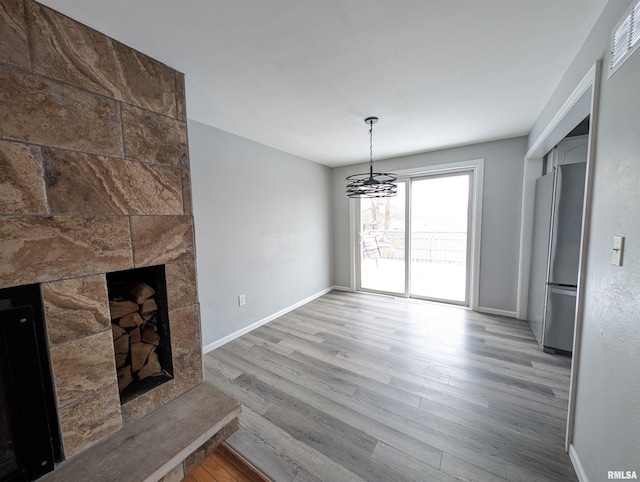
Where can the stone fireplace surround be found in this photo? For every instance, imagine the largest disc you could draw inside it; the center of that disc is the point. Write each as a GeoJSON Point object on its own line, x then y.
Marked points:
{"type": "Point", "coordinates": [94, 178]}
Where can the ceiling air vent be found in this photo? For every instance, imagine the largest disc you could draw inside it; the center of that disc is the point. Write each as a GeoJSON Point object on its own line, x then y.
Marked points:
{"type": "Point", "coordinates": [625, 37]}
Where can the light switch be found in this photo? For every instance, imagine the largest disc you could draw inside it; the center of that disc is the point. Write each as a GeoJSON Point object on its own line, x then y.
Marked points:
{"type": "Point", "coordinates": [618, 248]}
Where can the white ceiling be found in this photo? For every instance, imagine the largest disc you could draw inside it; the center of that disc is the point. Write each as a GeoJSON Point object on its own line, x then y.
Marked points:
{"type": "Point", "coordinates": [301, 75]}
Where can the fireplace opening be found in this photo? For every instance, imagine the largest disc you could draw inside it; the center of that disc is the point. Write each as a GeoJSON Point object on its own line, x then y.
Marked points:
{"type": "Point", "coordinates": [30, 441]}
{"type": "Point", "coordinates": [140, 326]}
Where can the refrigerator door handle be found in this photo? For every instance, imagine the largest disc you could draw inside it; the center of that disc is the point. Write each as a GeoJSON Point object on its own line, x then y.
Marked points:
{"type": "Point", "coordinates": [562, 291]}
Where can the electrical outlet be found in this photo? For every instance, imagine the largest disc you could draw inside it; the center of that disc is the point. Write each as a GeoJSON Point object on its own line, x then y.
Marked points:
{"type": "Point", "coordinates": [241, 300]}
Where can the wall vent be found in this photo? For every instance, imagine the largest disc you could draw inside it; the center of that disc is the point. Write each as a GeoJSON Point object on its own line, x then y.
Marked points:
{"type": "Point", "coordinates": [625, 37]}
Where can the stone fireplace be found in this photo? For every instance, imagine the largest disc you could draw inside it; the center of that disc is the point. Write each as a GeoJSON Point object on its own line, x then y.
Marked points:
{"type": "Point", "coordinates": [94, 179]}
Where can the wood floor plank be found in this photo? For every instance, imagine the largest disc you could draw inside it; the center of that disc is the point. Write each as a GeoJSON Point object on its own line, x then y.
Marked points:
{"type": "Point", "coordinates": [223, 470]}
{"type": "Point", "coordinates": [218, 471]}
{"type": "Point", "coordinates": [263, 454]}
{"type": "Point", "coordinates": [238, 465]}
{"type": "Point", "coordinates": [413, 468]}
{"type": "Point", "coordinates": [332, 371]}
{"type": "Point", "coordinates": [337, 376]}
{"type": "Point", "coordinates": [356, 386]}
{"type": "Point", "coordinates": [219, 366]}
{"type": "Point", "coordinates": [201, 475]}
{"type": "Point", "coordinates": [285, 371]}
{"type": "Point", "coordinates": [304, 476]}
{"type": "Point", "coordinates": [365, 371]}
{"type": "Point", "coordinates": [336, 429]}
{"type": "Point", "coordinates": [339, 451]}
{"type": "Point", "coordinates": [463, 470]}
{"type": "Point", "coordinates": [518, 473]}
{"type": "Point", "coordinates": [236, 390]}
{"type": "Point", "coordinates": [282, 455]}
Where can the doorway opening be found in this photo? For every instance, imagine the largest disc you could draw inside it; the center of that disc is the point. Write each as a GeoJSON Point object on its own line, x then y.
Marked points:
{"type": "Point", "coordinates": [582, 102]}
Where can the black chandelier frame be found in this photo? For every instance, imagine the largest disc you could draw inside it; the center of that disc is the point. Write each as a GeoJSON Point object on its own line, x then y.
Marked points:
{"type": "Point", "coordinates": [371, 184]}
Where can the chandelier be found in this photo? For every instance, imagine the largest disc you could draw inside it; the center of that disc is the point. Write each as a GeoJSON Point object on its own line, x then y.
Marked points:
{"type": "Point", "coordinates": [371, 184]}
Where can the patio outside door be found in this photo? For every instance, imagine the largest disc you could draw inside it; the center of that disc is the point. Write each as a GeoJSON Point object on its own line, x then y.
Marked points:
{"type": "Point", "coordinates": [439, 229]}
{"type": "Point", "coordinates": [382, 243]}
{"type": "Point", "coordinates": [435, 209]}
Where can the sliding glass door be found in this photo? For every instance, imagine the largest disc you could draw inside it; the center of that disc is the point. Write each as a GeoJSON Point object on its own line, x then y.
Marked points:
{"type": "Point", "coordinates": [440, 237]}
{"type": "Point", "coordinates": [435, 210]}
{"type": "Point", "coordinates": [382, 243]}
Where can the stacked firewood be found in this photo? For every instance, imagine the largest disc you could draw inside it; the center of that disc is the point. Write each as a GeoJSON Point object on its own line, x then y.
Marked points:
{"type": "Point", "coordinates": [134, 323]}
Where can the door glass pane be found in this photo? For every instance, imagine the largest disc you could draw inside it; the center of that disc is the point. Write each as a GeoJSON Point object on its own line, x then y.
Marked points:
{"type": "Point", "coordinates": [382, 241]}
{"type": "Point", "coordinates": [439, 229]}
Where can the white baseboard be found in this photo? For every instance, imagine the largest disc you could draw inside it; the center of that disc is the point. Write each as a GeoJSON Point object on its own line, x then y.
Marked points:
{"type": "Point", "coordinates": [494, 311]}
{"type": "Point", "coordinates": [222, 341]}
{"type": "Point", "coordinates": [577, 464]}
{"type": "Point", "coordinates": [342, 288]}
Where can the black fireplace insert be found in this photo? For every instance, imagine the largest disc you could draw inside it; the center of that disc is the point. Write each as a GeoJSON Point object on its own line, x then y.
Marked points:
{"type": "Point", "coordinates": [29, 435]}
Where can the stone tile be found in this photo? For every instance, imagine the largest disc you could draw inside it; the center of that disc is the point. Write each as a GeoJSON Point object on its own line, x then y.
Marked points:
{"type": "Point", "coordinates": [161, 239]}
{"type": "Point", "coordinates": [176, 475]}
{"type": "Point", "coordinates": [181, 284]}
{"type": "Point", "coordinates": [109, 186]}
{"type": "Point", "coordinates": [187, 199]}
{"type": "Point", "coordinates": [149, 83]}
{"type": "Point", "coordinates": [37, 249]}
{"type": "Point", "coordinates": [152, 137]}
{"type": "Point", "coordinates": [67, 50]}
{"type": "Point", "coordinates": [188, 372]}
{"type": "Point", "coordinates": [207, 449]}
{"type": "Point", "coordinates": [21, 184]}
{"type": "Point", "coordinates": [82, 366]}
{"type": "Point", "coordinates": [181, 97]}
{"type": "Point", "coordinates": [149, 401]}
{"type": "Point", "coordinates": [76, 307]}
{"type": "Point", "coordinates": [188, 369]}
{"type": "Point", "coordinates": [13, 32]}
{"type": "Point", "coordinates": [89, 420]}
{"type": "Point", "coordinates": [184, 326]}
{"type": "Point", "coordinates": [43, 111]}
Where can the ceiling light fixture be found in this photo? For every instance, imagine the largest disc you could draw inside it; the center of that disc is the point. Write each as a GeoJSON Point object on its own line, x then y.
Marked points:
{"type": "Point", "coordinates": [371, 184]}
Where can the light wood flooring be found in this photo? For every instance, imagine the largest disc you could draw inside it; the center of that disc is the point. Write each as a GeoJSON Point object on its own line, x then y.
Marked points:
{"type": "Point", "coordinates": [224, 465]}
{"type": "Point", "coordinates": [353, 387]}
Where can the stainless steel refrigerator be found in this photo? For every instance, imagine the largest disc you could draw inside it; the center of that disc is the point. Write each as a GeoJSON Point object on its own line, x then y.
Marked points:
{"type": "Point", "coordinates": [555, 258]}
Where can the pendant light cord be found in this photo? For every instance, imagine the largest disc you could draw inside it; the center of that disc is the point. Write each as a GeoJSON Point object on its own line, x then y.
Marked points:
{"type": "Point", "coordinates": [371, 148]}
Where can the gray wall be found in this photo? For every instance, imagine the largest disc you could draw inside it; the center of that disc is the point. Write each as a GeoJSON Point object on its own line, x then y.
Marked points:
{"type": "Point", "coordinates": [263, 229]}
{"type": "Point", "coordinates": [607, 417]}
{"type": "Point", "coordinates": [593, 48]}
{"type": "Point", "coordinates": [501, 203]}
